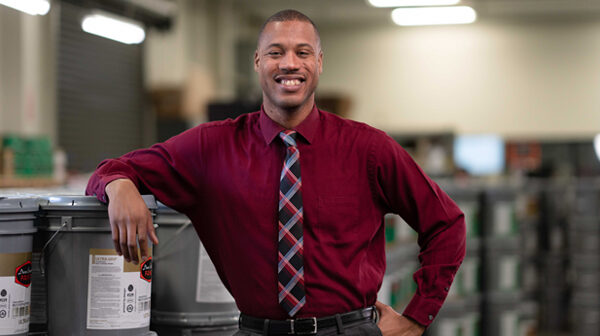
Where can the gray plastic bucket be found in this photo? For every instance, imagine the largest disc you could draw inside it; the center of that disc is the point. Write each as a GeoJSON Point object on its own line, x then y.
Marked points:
{"type": "Point", "coordinates": [186, 290]}
{"type": "Point", "coordinates": [91, 290]}
{"type": "Point", "coordinates": [17, 218]}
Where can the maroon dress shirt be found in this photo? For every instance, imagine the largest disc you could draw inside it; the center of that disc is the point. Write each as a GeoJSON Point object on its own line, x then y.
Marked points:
{"type": "Point", "coordinates": [225, 177]}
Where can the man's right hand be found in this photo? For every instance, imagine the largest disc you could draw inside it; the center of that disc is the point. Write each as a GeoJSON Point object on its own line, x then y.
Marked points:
{"type": "Point", "coordinates": [130, 220]}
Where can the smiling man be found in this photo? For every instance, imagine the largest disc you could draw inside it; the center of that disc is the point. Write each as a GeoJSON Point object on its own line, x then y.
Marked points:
{"type": "Point", "coordinates": [289, 203]}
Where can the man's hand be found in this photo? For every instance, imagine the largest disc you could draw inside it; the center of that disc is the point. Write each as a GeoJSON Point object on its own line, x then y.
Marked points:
{"type": "Point", "coordinates": [394, 324]}
{"type": "Point", "coordinates": [130, 220]}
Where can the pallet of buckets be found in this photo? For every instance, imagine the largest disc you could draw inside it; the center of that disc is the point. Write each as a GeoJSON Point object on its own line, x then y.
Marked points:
{"type": "Point", "coordinates": [60, 275]}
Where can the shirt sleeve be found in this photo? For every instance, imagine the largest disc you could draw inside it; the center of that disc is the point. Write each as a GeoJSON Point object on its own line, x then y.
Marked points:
{"type": "Point", "coordinates": [168, 170]}
{"type": "Point", "coordinates": [402, 187]}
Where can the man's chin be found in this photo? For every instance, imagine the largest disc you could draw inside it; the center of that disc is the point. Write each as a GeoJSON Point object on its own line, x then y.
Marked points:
{"type": "Point", "coordinates": [291, 104]}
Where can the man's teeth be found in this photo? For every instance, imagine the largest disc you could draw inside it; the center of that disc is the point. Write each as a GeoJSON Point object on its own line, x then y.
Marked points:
{"type": "Point", "coordinates": [290, 82]}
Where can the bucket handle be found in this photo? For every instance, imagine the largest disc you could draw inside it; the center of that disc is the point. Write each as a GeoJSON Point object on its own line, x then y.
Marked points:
{"type": "Point", "coordinates": [173, 238]}
{"type": "Point", "coordinates": [66, 221]}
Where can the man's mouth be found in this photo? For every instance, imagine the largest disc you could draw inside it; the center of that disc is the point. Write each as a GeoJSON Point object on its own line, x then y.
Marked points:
{"type": "Point", "coordinates": [289, 83]}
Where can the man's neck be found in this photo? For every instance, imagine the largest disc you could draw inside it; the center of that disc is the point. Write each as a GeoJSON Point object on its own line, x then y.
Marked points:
{"type": "Point", "coordinates": [288, 118]}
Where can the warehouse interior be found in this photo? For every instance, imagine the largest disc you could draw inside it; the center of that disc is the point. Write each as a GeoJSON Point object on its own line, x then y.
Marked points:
{"type": "Point", "coordinates": [503, 112]}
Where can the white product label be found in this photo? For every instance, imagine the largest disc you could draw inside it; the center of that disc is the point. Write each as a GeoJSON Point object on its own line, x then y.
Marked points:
{"type": "Point", "coordinates": [118, 292]}
{"type": "Point", "coordinates": [449, 327]}
{"type": "Point", "coordinates": [209, 287]}
{"type": "Point", "coordinates": [15, 293]}
{"type": "Point", "coordinates": [508, 323]}
{"type": "Point", "coordinates": [469, 275]}
{"type": "Point", "coordinates": [503, 218]}
{"type": "Point", "coordinates": [508, 272]}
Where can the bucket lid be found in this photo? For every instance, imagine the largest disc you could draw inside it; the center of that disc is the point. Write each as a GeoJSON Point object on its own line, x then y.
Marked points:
{"type": "Point", "coordinates": [168, 216]}
{"type": "Point", "coordinates": [162, 208]}
{"type": "Point", "coordinates": [84, 203]}
{"type": "Point", "coordinates": [19, 204]}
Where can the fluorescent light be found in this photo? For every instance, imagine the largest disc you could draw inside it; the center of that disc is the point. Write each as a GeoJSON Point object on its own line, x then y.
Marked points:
{"type": "Point", "coordinates": [113, 27]}
{"type": "Point", "coordinates": [412, 3]}
{"type": "Point", "coordinates": [597, 145]}
{"type": "Point", "coordinates": [31, 7]}
{"type": "Point", "coordinates": [433, 16]}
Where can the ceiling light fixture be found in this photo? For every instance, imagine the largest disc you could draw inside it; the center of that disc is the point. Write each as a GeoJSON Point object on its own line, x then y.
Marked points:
{"type": "Point", "coordinates": [433, 16]}
{"type": "Point", "coordinates": [412, 3]}
{"type": "Point", "coordinates": [31, 7]}
{"type": "Point", "coordinates": [113, 27]}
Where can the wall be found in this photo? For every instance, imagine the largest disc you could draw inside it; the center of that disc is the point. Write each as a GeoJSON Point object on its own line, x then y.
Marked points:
{"type": "Point", "coordinates": [521, 79]}
{"type": "Point", "coordinates": [27, 70]}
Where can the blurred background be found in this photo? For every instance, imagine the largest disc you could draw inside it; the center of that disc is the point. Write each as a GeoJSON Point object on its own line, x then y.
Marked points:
{"type": "Point", "coordinates": [498, 101]}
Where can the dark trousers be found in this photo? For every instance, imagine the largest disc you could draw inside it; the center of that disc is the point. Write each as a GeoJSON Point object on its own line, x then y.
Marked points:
{"type": "Point", "coordinates": [361, 328]}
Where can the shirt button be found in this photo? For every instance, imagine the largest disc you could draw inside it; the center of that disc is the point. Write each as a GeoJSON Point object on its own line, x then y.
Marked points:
{"type": "Point", "coordinates": [447, 289]}
{"type": "Point", "coordinates": [430, 317]}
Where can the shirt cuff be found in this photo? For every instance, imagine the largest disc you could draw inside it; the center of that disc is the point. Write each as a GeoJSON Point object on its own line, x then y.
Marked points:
{"type": "Point", "coordinates": [100, 193]}
{"type": "Point", "coordinates": [422, 310]}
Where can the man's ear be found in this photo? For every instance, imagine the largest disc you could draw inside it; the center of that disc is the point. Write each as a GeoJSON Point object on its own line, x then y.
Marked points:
{"type": "Point", "coordinates": [320, 60]}
{"type": "Point", "coordinates": [256, 60]}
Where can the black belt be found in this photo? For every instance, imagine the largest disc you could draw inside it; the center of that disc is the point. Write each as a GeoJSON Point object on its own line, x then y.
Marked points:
{"type": "Point", "coordinates": [303, 325]}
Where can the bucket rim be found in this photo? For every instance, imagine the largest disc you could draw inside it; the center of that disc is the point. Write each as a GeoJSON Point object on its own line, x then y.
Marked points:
{"type": "Point", "coordinates": [17, 232]}
{"type": "Point", "coordinates": [79, 202]}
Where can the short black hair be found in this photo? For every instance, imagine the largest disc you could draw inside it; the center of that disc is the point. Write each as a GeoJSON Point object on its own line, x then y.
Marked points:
{"type": "Point", "coordinates": [288, 15]}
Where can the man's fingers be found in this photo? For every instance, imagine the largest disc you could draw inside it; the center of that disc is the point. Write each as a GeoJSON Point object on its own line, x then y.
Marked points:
{"type": "Point", "coordinates": [151, 231]}
{"type": "Point", "coordinates": [143, 239]}
{"type": "Point", "coordinates": [132, 242]}
{"type": "Point", "coordinates": [115, 237]}
{"type": "Point", "coordinates": [123, 243]}
{"type": "Point", "coordinates": [380, 307]}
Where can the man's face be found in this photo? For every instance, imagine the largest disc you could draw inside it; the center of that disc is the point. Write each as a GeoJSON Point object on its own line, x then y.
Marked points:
{"type": "Point", "coordinates": [288, 61]}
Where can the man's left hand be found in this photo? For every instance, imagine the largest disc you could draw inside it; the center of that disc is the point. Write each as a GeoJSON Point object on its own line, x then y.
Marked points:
{"type": "Point", "coordinates": [394, 324]}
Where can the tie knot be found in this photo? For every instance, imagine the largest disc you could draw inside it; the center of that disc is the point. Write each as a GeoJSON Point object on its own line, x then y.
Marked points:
{"type": "Point", "coordinates": [288, 137]}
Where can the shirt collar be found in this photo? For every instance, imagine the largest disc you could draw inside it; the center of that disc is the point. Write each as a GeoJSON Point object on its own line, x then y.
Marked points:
{"type": "Point", "coordinates": [307, 128]}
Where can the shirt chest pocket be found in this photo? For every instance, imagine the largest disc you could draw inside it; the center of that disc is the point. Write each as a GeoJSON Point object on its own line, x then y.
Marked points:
{"type": "Point", "coordinates": [337, 219]}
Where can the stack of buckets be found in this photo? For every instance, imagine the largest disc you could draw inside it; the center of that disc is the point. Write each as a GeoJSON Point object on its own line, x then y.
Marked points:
{"type": "Point", "coordinates": [584, 238]}
{"type": "Point", "coordinates": [501, 263]}
{"type": "Point", "coordinates": [90, 290]}
{"type": "Point", "coordinates": [553, 284]}
{"type": "Point", "coordinates": [17, 218]}
{"type": "Point", "coordinates": [188, 298]}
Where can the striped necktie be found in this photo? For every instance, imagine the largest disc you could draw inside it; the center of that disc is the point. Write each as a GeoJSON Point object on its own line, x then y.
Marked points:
{"type": "Point", "coordinates": [290, 272]}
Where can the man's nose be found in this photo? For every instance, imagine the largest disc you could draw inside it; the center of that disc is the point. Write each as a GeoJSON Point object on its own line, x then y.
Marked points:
{"type": "Point", "coordinates": [289, 62]}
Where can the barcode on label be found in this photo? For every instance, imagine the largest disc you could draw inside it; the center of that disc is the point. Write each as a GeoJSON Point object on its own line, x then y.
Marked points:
{"type": "Point", "coordinates": [144, 305]}
{"type": "Point", "coordinates": [21, 311]}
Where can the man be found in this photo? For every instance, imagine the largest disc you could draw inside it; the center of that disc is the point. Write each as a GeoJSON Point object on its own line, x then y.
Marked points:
{"type": "Point", "coordinates": [289, 203]}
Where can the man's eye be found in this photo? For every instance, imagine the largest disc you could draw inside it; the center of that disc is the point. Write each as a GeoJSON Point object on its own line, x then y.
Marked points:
{"type": "Point", "coordinates": [303, 53]}
{"type": "Point", "coordinates": [274, 53]}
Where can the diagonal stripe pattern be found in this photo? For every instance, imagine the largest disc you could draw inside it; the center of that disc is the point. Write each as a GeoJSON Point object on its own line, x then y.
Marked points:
{"type": "Point", "coordinates": [290, 271]}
